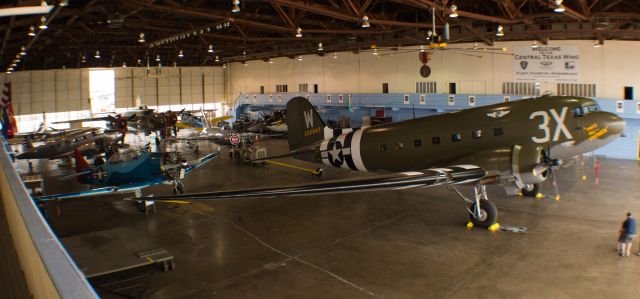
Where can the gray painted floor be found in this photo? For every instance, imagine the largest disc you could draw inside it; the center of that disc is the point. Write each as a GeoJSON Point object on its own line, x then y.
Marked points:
{"type": "Point", "coordinates": [391, 244]}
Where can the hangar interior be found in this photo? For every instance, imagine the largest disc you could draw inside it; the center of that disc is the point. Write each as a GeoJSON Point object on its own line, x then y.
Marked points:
{"type": "Point", "coordinates": [365, 67]}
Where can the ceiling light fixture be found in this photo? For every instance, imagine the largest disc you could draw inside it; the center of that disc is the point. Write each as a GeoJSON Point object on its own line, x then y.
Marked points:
{"type": "Point", "coordinates": [597, 44]}
{"type": "Point", "coordinates": [23, 51]}
{"type": "Point", "coordinates": [335, 55]}
{"type": "Point", "coordinates": [365, 22]}
{"type": "Point", "coordinates": [217, 59]}
{"type": "Point", "coordinates": [534, 44]}
{"type": "Point", "coordinates": [32, 31]}
{"type": "Point", "coordinates": [422, 48]}
{"type": "Point", "coordinates": [244, 63]}
{"type": "Point", "coordinates": [8, 72]}
{"type": "Point", "coordinates": [63, 3]}
{"type": "Point", "coordinates": [299, 57]}
{"type": "Point", "coordinates": [224, 65]}
{"type": "Point", "coordinates": [84, 58]}
{"type": "Point", "coordinates": [454, 11]}
{"type": "Point", "coordinates": [559, 7]}
{"type": "Point", "coordinates": [270, 60]}
{"type": "Point", "coordinates": [43, 23]}
{"type": "Point", "coordinates": [236, 6]}
{"type": "Point", "coordinates": [210, 48]}
{"type": "Point", "coordinates": [244, 54]}
{"type": "Point", "coordinates": [298, 32]}
{"type": "Point", "coordinates": [475, 45]}
{"type": "Point", "coordinates": [175, 64]}
{"type": "Point", "coordinates": [141, 38]}
{"type": "Point", "coordinates": [180, 54]}
{"type": "Point", "coordinates": [97, 56]}
{"type": "Point", "coordinates": [124, 64]}
{"type": "Point", "coordinates": [500, 31]}
{"type": "Point", "coordinates": [320, 48]}
{"type": "Point", "coordinates": [158, 58]}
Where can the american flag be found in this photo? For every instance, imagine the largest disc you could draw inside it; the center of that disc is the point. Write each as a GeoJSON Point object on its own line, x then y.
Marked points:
{"type": "Point", "coordinates": [8, 120]}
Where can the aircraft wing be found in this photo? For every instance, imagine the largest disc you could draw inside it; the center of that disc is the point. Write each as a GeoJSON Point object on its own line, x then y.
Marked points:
{"type": "Point", "coordinates": [199, 162]}
{"type": "Point", "coordinates": [128, 188]}
{"type": "Point", "coordinates": [104, 118]}
{"type": "Point", "coordinates": [431, 177]}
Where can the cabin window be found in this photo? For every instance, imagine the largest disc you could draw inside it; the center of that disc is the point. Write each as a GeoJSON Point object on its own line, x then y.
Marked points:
{"type": "Point", "coordinates": [435, 140]}
{"type": "Point", "coordinates": [498, 132]}
{"type": "Point", "coordinates": [383, 147]}
{"type": "Point", "coordinates": [417, 143]}
{"type": "Point", "coordinates": [399, 145]}
{"type": "Point", "coordinates": [456, 137]}
{"type": "Point", "coordinates": [476, 134]}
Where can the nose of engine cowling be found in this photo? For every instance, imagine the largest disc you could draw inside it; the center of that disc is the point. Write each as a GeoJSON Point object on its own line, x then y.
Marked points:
{"type": "Point", "coordinates": [613, 122]}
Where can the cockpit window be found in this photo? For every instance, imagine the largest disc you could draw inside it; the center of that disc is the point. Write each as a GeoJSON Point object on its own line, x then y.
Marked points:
{"type": "Point", "coordinates": [581, 111]}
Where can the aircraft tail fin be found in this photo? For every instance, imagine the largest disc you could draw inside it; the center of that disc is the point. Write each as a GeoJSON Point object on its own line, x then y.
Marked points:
{"type": "Point", "coordinates": [81, 162]}
{"type": "Point", "coordinates": [305, 127]}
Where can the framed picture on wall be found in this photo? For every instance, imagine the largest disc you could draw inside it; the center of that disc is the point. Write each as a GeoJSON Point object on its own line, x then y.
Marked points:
{"type": "Point", "coordinates": [279, 98]}
{"type": "Point", "coordinates": [620, 106]}
{"type": "Point", "coordinates": [405, 99]}
{"type": "Point", "coordinates": [255, 98]}
{"type": "Point", "coordinates": [270, 98]}
{"type": "Point", "coordinates": [340, 98]}
{"type": "Point", "coordinates": [423, 99]}
{"type": "Point", "coordinates": [506, 99]}
{"type": "Point", "coordinates": [637, 107]}
{"type": "Point", "coordinates": [328, 98]}
{"type": "Point", "coordinates": [472, 100]}
{"type": "Point", "coordinates": [451, 100]}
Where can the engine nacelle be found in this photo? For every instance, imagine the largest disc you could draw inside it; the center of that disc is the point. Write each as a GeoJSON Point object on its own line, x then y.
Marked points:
{"type": "Point", "coordinates": [514, 167]}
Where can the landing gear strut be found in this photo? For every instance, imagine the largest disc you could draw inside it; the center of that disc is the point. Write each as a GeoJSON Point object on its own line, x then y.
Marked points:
{"type": "Point", "coordinates": [482, 212]}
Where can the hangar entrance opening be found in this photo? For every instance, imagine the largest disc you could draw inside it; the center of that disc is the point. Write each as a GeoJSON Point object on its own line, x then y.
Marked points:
{"type": "Point", "coordinates": [102, 91]}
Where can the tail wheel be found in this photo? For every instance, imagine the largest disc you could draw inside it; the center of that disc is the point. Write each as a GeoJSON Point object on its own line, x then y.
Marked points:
{"type": "Point", "coordinates": [488, 214]}
{"type": "Point", "coordinates": [531, 190]}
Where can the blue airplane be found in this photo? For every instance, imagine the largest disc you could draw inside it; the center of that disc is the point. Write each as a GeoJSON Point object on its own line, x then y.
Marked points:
{"type": "Point", "coordinates": [130, 172]}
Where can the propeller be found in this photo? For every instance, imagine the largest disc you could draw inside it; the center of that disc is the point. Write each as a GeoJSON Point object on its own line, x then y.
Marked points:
{"type": "Point", "coordinates": [173, 166]}
{"type": "Point", "coordinates": [550, 165]}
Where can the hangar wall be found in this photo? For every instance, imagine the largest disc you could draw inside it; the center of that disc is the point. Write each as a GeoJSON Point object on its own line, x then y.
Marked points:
{"type": "Point", "coordinates": [64, 94]}
{"type": "Point", "coordinates": [610, 67]}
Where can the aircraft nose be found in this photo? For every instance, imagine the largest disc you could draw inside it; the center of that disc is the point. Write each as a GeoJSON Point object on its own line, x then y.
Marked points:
{"type": "Point", "coordinates": [615, 124]}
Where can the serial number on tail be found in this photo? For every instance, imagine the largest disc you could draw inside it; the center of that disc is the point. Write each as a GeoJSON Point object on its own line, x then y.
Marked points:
{"type": "Point", "coordinates": [312, 131]}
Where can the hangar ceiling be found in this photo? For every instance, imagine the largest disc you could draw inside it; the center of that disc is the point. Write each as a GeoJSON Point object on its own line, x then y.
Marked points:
{"type": "Point", "coordinates": [267, 28]}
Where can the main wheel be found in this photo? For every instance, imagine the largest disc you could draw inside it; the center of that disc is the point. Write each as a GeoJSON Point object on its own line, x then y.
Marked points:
{"type": "Point", "coordinates": [531, 190]}
{"type": "Point", "coordinates": [488, 214]}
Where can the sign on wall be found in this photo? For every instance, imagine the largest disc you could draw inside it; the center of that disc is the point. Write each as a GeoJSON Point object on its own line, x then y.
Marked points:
{"type": "Point", "coordinates": [506, 99]}
{"type": "Point", "coordinates": [560, 63]}
{"type": "Point", "coordinates": [328, 98]}
{"type": "Point", "coordinates": [340, 98]}
{"type": "Point", "coordinates": [255, 98]}
{"type": "Point", "coordinates": [451, 100]}
{"type": "Point", "coordinates": [279, 98]}
{"type": "Point", "coordinates": [270, 98]}
{"type": "Point", "coordinates": [472, 100]}
{"type": "Point", "coordinates": [423, 99]}
{"type": "Point", "coordinates": [620, 106]}
{"type": "Point", "coordinates": [405, 99]}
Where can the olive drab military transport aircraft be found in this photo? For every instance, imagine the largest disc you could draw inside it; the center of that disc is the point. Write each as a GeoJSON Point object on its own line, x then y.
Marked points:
{"type": "Point", "coordinates": [514, 144]}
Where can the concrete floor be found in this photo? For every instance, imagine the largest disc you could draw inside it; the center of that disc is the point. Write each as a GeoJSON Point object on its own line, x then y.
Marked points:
{"type": "Point", "coordinates": [391, 244]}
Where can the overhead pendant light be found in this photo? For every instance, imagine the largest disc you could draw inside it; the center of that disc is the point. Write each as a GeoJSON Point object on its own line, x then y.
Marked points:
{"type": "Point", "coordinates": [320, 48]}
{"type": "Point", "coordinates": [500, 31]}
{"type": "Point", "coordinates": [559, 7]}
{"type": "Point", "coordinates": [97, 56]}
{"type": "Point", "coordinates": [422, 48]}
{"type": "Point", "coordinates": [534, 45]}
{"type": "Point", "coordinates": [236, 6]}
{"type": "Point", "coordinates": [43, 23]}
{"type": "Point", "coordinates": [335, 55]}
{"type": "Point", "coordinates": [217, 59]}
{"type": "Point", "coordinates": [124, 64]}
{"type": "Point", "coordinates": [224, 65]}
{"type": "Point", "coordinates": [365, 22]}
{"type": "Point", "coordinates": [244, 54]}
{"type": "Point", "coordinates": [270, 60]}
{"type": "Point", "coordinates": [158, 58]}
{"type": "Point", "coordinates": [8, 71]}
{"type": "Point", "coordinates": [63, 3]}
{"type": "Point", "coordinates": [180, 54]}
{"type": "Point", "coordinates": [244, 63]}
{"type": "Point", "coordinates": [454, 11]}
{"type": "Point", "coordinates": [32, 31]}
{"type": "Point", "coordinates": [175, 64]}
{"type": "Point", "coordinates": [597, 44]}
{"type": "Point", "coordinates": [299, 57]}
{"type": "Point", "coordinates": [23, 51]}
{"type": "Point", "coordinates": [210, 48]}
{"type": "Point", "coordinates": [141, 38]}
{"type": "Point", "coordinates": [475, 45]}
{"type": "Point", "coordinates": [298, 32]}
{"type": "Point", "coordinates": [84, 58]}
